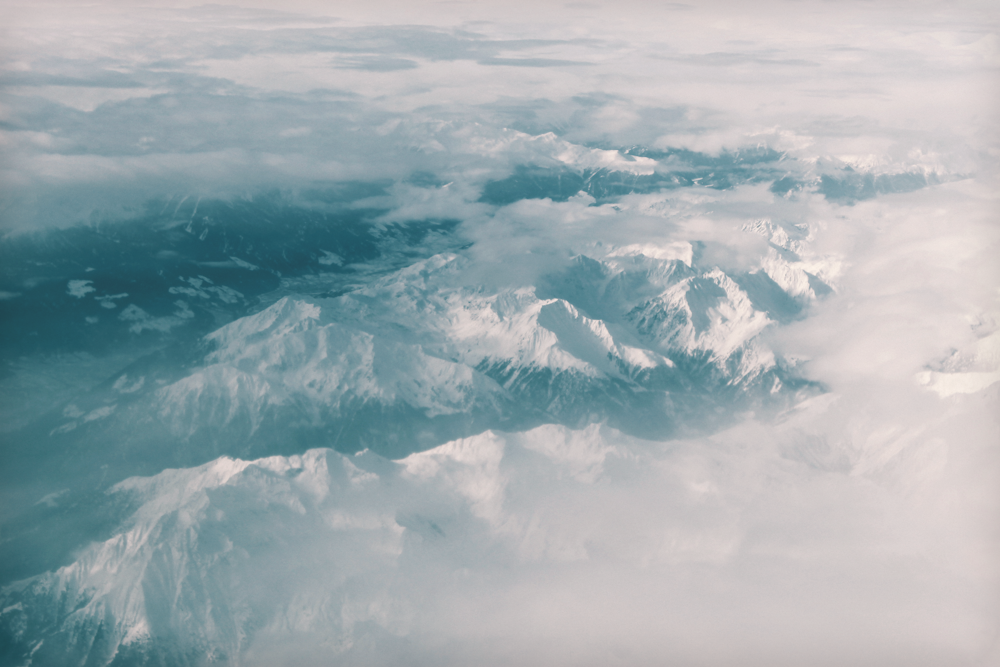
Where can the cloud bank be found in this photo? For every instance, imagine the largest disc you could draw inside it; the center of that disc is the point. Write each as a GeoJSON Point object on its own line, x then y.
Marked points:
{"type": "Point", "coordinates": [218, 100]}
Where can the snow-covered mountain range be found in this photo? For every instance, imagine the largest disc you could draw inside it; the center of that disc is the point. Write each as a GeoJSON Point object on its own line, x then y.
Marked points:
{"type": "Point", "coordinates": [301, 477]}
{"type": "Point", "coordinates": [648, 339]}
{"type": "Point", "coordinates": [647, 343]}
{"type": "Point", "coordinates": [181, 582]}
{"type": "Point", "coordinates": [440, 334]}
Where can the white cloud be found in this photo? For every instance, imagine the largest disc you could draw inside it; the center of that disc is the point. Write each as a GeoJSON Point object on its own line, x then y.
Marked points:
{"type": "Point", "coordinates": [858, 528]}
{"type": "Point", "coordinates": [80, 288]}
{"type": "Point", "coordinates": [250, 109]}
{"type": "Point", "coordinates": [555, 546]}
{"type": "Point", "coordinates": [142, 321]}
{"type": "Point", "coordinates": [295, 132]}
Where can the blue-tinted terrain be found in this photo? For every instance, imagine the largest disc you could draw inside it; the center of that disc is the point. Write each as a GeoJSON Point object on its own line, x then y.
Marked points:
{"type": "Point", "coordinates": [143, 293]}
{"type": "Point", "coordinates": [446, 334]}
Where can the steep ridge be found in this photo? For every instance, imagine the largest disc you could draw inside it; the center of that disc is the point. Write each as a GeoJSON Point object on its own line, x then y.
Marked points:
{"type": "Point", "coordinates": [329, 558]}
{"type": "Point", "coordinates": [311, 553]}
{"type": "Point", "coordinates": [420, 341]}
{"type": "Point", "coordinates": [650, 344]}
{"type": "Point", "coordinates": [214, 557]}
{"type": "Point", "coordinates": [645, 339]}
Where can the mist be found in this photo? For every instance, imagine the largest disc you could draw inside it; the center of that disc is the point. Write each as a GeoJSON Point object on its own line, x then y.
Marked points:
{"type": "Point", "coordinates": [532, 333]}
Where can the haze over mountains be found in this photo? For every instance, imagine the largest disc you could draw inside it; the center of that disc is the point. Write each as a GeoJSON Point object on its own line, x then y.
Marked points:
{"type": "Point", "coordinates": [582, 336]}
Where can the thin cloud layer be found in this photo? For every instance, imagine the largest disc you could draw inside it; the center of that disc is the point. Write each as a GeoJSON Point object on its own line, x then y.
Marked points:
{"type": "Point", "coordinates": [83, 113]}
